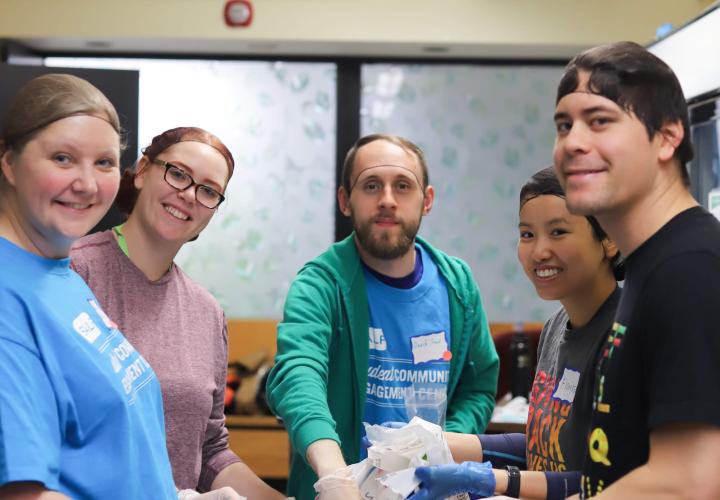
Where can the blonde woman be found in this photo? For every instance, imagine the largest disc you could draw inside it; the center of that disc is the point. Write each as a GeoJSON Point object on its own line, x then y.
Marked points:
{"type": "Point", "coordinates": [80, 409]}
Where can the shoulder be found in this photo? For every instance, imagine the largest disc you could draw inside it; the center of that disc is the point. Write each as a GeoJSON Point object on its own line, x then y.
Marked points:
{"type": "Point", "coordinates": [554, 327]}
{"type": "Point", "coordinates": [456, 271]}
{"type": "Point", "coordinates": [686, 272]}
{"type": "Point", "coordinates": [338, 267]}
{"type": "Point", "coordinates": [556, 322]}
{"type": "Point", "coordinates": [195, 292]}
{"type": "Point", "coordinates": [92, 245]}
{"type": "Point", "coordinates": [26, 310]}
{"type": "Point", "coordinates": [93, 252]}
{"type": "Point", "coordinates": [94, 240]}
{"type": "Point", "coordinates": [692, 234]}
{"type": "Point", "coordinates": [340, 259]}
{"type": "Point", "coordinates": [13, 301]}
{"type": "Point", "coordinates": [681, 293]}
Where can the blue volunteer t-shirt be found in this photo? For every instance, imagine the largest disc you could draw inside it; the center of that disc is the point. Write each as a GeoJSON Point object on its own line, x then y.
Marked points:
{"type": "Point", "coordinates": [409, 340]}
{"type": "Point", "coordinates": [80, 409]}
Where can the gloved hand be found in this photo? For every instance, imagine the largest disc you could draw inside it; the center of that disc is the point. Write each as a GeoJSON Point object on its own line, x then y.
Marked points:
{"type": "Point", "coordinates": [440, 481]}
{"type": "Point", "coordinates": [337, 486]}
{"type": "Point", "coordinates": [348, 492]}
{"type": "Point", "coordinates": [391, 425]}
{"type": "Point", "coordinates": [224, 493]}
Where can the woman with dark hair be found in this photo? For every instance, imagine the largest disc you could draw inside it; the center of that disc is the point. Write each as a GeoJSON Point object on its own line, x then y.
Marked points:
{"type": "Point", "coordinates": [76, 421]}
{"type": "Point", "coordinates": [568, 258]}
{"type": "Point", "coordinates": [170, 196]}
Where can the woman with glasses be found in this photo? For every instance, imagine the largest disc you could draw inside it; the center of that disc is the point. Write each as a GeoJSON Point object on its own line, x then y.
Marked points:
{"type": "Point", "coordinates": [170, 196]}
{"type": "Point", "coordinates": [80, 409]}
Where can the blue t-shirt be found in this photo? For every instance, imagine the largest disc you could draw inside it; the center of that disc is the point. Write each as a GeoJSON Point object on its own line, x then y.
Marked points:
{"type": "Point", "coordinates": [80, 409]}
{"type": "Point", "coordinates": [409, 341]}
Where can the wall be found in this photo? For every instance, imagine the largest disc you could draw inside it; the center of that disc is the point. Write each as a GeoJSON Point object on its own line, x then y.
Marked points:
{"type": "Point", "coordinates": [456, 28]}
{"type": "Point", "coordinates": [485, 129]}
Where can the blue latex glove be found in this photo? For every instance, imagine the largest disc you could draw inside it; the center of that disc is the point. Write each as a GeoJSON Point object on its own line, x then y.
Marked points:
{"type": "Point", "coordinates": [392, 425]}
{"type": "Point", "coordinates": [440, 481]}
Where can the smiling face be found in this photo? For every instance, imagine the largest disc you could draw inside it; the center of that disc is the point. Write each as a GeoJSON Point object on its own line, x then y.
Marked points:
{"type": "Point", "coordinates": [558, 251]}
{"type": "Point", "coordinates": [387, 200]}
{"type": "Point", "coordinates": [62, 182]}
{"type": "Point", "coordinates": [603, 157]}
{"type": "Point", "coordinates": [167, 213]}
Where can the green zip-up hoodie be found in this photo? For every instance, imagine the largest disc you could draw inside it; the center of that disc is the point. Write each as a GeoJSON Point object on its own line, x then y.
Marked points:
{"type": "Point", "coordinates": [319, 380]}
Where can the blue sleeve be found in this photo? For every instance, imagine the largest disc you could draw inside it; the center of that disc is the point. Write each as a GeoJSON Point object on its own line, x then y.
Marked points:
{"type": "Point", "coordinates": [504, 449]}
{"type": "Point", "coordinates": [30, 440]}
{"type": "Point", "coordinates": [561, 485]}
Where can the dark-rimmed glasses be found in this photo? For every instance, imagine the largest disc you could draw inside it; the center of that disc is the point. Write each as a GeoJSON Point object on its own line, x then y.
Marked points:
{"type": "Point", "coordinates": [181, 180]}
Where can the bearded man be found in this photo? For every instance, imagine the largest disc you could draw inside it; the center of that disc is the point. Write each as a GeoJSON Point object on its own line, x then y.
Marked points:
{"type": "Point", "coordinates": [375, 316]}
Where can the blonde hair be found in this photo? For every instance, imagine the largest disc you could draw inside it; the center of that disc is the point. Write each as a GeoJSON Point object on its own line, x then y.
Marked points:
{"type": "Point", "coordinates": [47, 99]}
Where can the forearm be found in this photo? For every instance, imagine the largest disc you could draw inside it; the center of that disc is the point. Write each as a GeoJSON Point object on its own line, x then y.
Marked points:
{"type": "Point", "coordinates": [561, 485]}
{"type": "Point", "coordinates": [27, 490]}
{"type": "Point", "coordinates": [242, 479]}
{"type": "Point", "coordinates": [647, 483]}
{"type": "Point", "coordinates": [504, 449]}
{"type": "Point", "coordinates": [302, 361]}
{"type": "Point", "coordinates": [533, 485]}
{"type": "Point", "coordinates": [325, 457]}
{"type": "Point", "coordinates": [682, 464]}
{"type": "Point", "coordinates": [464, 447]}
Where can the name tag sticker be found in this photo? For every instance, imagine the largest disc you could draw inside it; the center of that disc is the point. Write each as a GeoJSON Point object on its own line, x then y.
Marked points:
{"type": "Point", "coordinates": [567, 386]}
{"type": "Point", "coordinates": [86, 327]}
{"type": "Point", "coordinates": [430, 347]}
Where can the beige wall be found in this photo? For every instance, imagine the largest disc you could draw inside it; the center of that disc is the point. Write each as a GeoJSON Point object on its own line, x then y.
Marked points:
{"type": "Point", "coordinates": [506, 28]}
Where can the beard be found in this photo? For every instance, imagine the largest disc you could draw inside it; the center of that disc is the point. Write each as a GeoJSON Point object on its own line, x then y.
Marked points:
{"type": "Point", "coordinates": [385, 245]}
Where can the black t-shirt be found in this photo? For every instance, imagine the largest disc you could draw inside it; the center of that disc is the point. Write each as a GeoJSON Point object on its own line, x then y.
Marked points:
{"type": "Point", "coordinates": [562, 393]}
{"type": "Point", "coordinates": [661, 364]}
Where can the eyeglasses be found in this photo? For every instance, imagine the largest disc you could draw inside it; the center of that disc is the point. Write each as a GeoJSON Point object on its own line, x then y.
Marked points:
{"type": "Point", "coordinates": [181, 180]}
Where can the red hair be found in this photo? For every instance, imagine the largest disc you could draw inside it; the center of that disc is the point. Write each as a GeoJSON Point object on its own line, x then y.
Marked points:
{"type": "Point", "coordinates": [128, 193]}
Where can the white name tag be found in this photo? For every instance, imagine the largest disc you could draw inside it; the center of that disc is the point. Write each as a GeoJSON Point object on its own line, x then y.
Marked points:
{"type": "Point", "coordinates": [567, 386]}
{"type": "Point", "coordinates": [431, 347]}
{"type": "Point", "coordinates": [86, 327]}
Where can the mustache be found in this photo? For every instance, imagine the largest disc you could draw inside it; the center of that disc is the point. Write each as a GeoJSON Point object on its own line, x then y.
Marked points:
{"type": "Point", "coordinates": [387, 217]}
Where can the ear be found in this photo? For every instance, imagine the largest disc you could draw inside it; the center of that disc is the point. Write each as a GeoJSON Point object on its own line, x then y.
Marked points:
{"type": "Point", "coordinates": [671, 135]}
{"type": "Point", "coordinates": [428, 199]}
{"type": "Point", "coordinates": [344, 201]}
{"type": "Point", "coordinates": [609, 248]}
{"type": "Point", "coordinates": [7, 167]}
{"type": "Point", "coordinates": [140, 169]}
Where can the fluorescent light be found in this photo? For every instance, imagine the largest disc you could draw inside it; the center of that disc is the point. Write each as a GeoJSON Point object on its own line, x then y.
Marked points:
{"type": "Point", "coordinates": [693, 53]}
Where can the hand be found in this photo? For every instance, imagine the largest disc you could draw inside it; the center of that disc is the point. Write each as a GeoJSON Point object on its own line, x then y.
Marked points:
{"type": "Point", "coordinates": [349, 492]}
{"type": "Point", "coordinates": [224, 493]}
{"type": "Point", "coordinates": [336, 487]}
{"type": "Point", "coordinates": [440, 481]}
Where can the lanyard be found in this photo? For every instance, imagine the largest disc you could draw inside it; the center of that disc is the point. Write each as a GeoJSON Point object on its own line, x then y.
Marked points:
{"type": "Point", "coordinates": [121, 239]}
